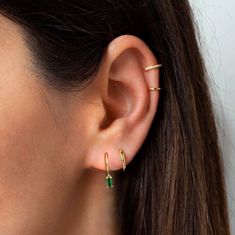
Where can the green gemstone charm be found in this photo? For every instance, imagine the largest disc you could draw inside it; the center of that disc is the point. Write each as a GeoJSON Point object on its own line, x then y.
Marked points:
{"type": "Point", "coordinates": [109, 181]}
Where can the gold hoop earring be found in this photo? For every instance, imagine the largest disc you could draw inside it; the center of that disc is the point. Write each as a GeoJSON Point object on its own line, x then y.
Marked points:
{"type": "Point", "coordinates": [109, 178]}
{"type": "Point", "coordinates": [123, 158]}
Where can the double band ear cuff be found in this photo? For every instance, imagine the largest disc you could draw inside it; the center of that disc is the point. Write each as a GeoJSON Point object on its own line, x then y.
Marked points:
{"type": "Point", "coordinates": [155, 66]}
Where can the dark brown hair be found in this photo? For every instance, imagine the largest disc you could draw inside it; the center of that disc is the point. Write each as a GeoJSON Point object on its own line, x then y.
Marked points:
{"type": "Point", "coordinates": [175, 183]}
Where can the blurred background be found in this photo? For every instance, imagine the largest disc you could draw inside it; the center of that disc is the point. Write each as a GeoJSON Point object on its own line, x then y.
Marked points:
{"type": "Point", "coordinates": [216, 25]}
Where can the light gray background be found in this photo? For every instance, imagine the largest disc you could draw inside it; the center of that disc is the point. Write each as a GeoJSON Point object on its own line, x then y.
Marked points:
{"type": "Point", "coordinates": [216, 20]}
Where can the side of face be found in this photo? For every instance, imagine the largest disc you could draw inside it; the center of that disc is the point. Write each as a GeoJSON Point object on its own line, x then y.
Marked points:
{"type": "Point", "coordinates": [37, 160]}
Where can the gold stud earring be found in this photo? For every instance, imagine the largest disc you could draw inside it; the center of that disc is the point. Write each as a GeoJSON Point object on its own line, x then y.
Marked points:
{"type": "Point", "coordinates": [108, 179]}
{"type": "Point", "coordinates": [123, 158]}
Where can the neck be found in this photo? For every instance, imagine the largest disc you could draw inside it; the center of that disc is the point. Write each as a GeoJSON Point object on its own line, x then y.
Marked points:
{"type": "Point", "coordinates": [92, 208]}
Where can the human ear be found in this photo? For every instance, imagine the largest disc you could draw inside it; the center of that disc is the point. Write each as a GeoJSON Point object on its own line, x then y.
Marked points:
{"type": "Point", "coordinates": [128, 106]}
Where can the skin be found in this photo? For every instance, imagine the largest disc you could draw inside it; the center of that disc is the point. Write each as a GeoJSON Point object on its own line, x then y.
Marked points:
{"type": "Point", "coordinates": [52, 144]}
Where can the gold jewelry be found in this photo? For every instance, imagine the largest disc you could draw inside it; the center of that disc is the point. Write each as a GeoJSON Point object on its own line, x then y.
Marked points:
{"type": "Point", "coordinates": [155, 66]}
{"type": "Point", "coordinates": [123, 159]}
{"type": "Point", "coordinates": [155, 88]}
{"type": "Point", "coordinates": [108, 179]}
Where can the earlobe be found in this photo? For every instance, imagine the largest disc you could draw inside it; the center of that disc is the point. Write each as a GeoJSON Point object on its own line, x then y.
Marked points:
{"type": "Point", "coordinates": [129, 97]}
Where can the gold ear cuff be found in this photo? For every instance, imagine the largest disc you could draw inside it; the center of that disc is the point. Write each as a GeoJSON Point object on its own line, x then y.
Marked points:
{"type": "Point", "coordinates": [155, 88]}
{"type": "Point", "coordinates": [155, 66]}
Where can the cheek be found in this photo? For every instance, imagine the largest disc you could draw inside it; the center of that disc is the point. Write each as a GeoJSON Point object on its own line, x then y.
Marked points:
{"type": "Point", "coordinates": [25, 125]}
{"type": "Point", "coordinates": [27, 138]}
{"type": "Point", "coordinates": [35, 165]}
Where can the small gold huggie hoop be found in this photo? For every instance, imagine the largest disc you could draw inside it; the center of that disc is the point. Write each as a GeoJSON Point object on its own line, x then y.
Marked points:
{"type": "Point", "coordinates": [108, 179]}
{"type": "Point", "coordinates": [123, 159]}
{"type": "Point", "coordinates": [155, 66]}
